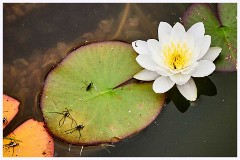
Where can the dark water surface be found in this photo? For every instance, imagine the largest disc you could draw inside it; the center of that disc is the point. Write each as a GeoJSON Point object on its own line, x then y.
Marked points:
{"type": "Point", "coordinates": [37, 36]}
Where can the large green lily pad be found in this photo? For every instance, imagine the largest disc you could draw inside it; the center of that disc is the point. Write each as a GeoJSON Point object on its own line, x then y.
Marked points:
{"type": "Point", "coordinates": [87, 88]}
{"type": "Point", "coordinates": [221, 26]}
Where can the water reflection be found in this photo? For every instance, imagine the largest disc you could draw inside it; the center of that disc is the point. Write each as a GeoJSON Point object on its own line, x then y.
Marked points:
{"type": "Point", "coordinates": [204, 87]}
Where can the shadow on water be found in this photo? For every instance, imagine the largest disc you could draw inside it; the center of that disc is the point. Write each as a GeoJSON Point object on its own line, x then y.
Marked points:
{"type": "Point", "coordinates": [204, 87]}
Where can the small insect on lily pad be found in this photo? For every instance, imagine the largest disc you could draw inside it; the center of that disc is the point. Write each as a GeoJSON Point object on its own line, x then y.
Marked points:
{"type": "Point", "coordinates": [86, 102]}
{"type": "Point", "coordinates": [30, 139]}
{"type": "Point", "coordinates": [221, 26]}
{"type": "Point", "coordinates": [10, 109]}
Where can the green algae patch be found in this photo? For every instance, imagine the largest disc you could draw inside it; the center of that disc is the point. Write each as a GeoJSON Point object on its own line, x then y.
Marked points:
{"type": "Point", "coordinates": [88, 99]}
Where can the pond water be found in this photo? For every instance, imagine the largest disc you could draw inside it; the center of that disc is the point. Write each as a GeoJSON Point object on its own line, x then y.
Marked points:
{"type": "Point", "coordinates": [37, 36]}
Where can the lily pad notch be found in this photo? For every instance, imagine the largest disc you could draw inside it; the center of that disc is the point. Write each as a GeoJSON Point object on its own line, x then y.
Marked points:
{"type": "Point", "coordinates": [84, 103]}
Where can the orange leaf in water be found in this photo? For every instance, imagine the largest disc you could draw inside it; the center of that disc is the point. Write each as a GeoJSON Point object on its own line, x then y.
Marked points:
{"type": "Point", "coordinates": [30, 139]}
{"type": "Point", "coordinates": [10, 109]}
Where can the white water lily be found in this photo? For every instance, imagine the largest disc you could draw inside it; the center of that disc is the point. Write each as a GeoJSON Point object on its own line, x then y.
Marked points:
{"type": "Point", "coordinates": [178, 56]}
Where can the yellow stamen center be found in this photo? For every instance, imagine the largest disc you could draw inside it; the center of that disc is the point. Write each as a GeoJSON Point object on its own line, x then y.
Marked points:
{"type": "Point", "coordinates": [177, 55]}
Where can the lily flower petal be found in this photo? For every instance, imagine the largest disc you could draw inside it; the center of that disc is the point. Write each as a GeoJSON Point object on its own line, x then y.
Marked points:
{"type": "Point", "coordinates": [162, 84]}
{"type": "Point", "coordinates": [154, 47]}
{"type": "Point", "coordinates": [141, 47]}
{"type": "Point", "coordinates": [204, 46]}
{"type": "Point", "coordinates": [180, 79]}
{"type": "Point", "coordinates": [204, 68]}
{"type": "Point", "coordinates": [165, 39]}
{"type": "Point", "coordinates": [163, 71]}
{"type": "Point", "coordinates": [146, 75]}
{"type": "Point", "coordinates": [190, 68]}
{"type": "Point", "coordinates": [146, 62]}
{"type": "Point", "coordinates": [197, 30]}
{"type": "Point", "coordinates": [163, 29]}
{"type": "Point", "coordinates": [189, 40]}
{"type": "Point", "coordinates": [178, 32]}
{"type": "Point", "coordinates": [188, 90]}
{"type": "Point", "coordinates": [212, 53]}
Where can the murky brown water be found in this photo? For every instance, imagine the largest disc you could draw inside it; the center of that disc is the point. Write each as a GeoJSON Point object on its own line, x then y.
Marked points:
{"type": "Point", "coordinates": [37, 36]}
